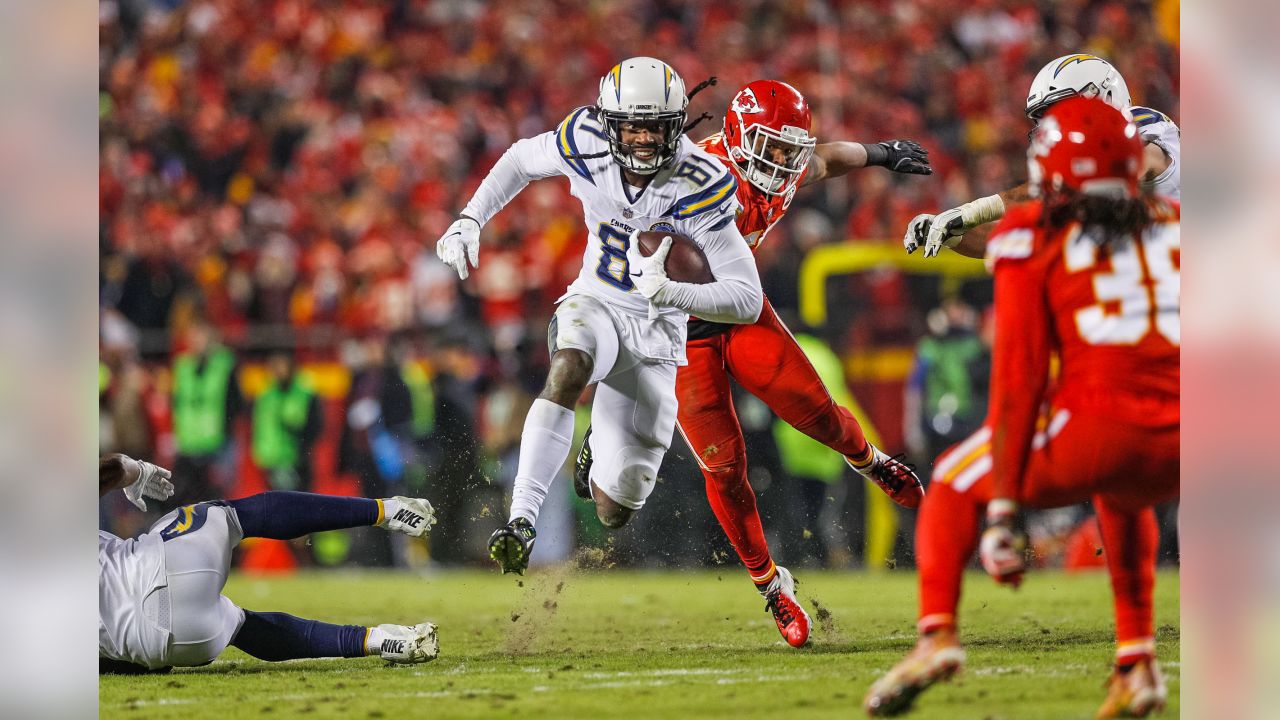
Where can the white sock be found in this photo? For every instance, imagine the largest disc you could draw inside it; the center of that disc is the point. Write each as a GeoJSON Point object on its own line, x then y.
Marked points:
{"type": "Point", "coordinates": [390, 506]}
{"type": "Point", "coordinates": [373, 641]}
{"type": "Point", "coordinates": [544, 446]}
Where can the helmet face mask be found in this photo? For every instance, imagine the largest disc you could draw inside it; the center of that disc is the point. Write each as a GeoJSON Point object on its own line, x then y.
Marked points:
{"type": "Point", "coordinates": [643, 94]}
{"type": "Point", "coordinates": [775, 158]}
{"type": "Point", "coordinates": [766, 132]}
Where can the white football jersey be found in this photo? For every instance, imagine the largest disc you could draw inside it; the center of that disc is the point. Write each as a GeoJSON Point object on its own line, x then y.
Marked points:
{"type": "Point", "coordinates": [1156, 127]}
{"type": "Point", "coordinates": [694, 195]}
{"type": "Point", "coordinates": [128, 571]}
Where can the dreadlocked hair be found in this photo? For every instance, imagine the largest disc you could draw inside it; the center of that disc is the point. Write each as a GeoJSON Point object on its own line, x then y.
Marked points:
{"type": "Point", "coordinates": [594, 111]}
{"type": "Point", "coordinates": [1108, 221]}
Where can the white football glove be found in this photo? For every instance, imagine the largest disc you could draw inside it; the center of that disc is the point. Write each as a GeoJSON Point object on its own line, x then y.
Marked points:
{"type": "Point", "coordinates": [949, 226]}
{"type": "Point", "coordinates": [917, 231]}
{"type": "Point", "coordinates": [152, 482]}
{"type": "Point", "coordinates": [1003, 547]}
{"type": "Point", "coordinates": [648, 274]}
{"type": "Point", "coordinates": [460, 243]}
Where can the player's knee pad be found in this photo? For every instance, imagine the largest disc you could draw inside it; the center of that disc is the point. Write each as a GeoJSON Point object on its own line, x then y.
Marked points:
{"type": "Point", "coordinates": [631, 477]}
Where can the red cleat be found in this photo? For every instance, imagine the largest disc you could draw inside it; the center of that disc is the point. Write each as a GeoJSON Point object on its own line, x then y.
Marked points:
{"type": "Point", "coordinates": [897, 479]}
{"type": "Point", "coordinates": [793, 621]}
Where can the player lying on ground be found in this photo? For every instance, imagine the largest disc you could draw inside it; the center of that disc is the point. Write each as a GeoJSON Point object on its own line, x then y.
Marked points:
{"type": "Point", "coordinates": [1090, 273]}
{"type": "Point", "coordinates": [1070, 75]}
{"type": "Point", "coordinates": [621, 325]}
{"type": "Point", "coordinates": [160, 601]}
{"type": "Point", "coordinates": [767, 145]}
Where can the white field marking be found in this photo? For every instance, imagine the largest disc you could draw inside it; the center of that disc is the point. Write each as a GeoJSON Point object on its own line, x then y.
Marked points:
{"type": "Point", "coordinates": [161, 701]}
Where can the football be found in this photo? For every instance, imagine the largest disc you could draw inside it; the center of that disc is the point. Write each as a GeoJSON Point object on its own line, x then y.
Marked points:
{"type": "Point", "coordinates": [686, 261]}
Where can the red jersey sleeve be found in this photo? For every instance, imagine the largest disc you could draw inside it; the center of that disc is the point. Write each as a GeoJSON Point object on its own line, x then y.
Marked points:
{"type": "Point", "coordinates": [1023, 345]}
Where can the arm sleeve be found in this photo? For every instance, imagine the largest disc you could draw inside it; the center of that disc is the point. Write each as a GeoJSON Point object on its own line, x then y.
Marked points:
{"type": "Point", "coordinates": [1019, 372]}
{"type": "Point", "coordinates": [527, 160]}
{"type": "Point", "coordinates": [735, 296]}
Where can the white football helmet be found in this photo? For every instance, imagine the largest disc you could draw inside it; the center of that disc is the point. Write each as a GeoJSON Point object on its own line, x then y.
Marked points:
{"type": "Point", "coordinates": [1078, 74]}
{"type": "Point", "coordinates": [643, 90]}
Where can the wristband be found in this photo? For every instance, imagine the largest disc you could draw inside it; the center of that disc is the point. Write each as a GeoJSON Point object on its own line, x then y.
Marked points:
{"type": "Point", "coordinates": [982, 211]}
{"type": "Point", "coordinates": [877, 154]}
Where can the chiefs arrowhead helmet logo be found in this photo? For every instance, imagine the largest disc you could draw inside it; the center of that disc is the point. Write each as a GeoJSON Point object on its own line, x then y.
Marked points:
{"type": "Point", "coordinates": [745, 103]}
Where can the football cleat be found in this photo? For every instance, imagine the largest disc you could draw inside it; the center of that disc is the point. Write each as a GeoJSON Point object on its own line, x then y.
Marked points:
{"type": "Point", "coordinates": [408, 644]}
{"type": "Point", "coordinates": [897, 479]}
{"type": "Point", "coordinates": [511, 544]}
{"type": "Point", "coordinates": [780, 599]}
{"type": "Point", "coordinates": [1136, 693]}
{"type": "Point", "coordinates": [413, 517]}
{"type": "Point", "coordinates": [937, 656]}
{"type": "Point", "coordinates": [582, 469]}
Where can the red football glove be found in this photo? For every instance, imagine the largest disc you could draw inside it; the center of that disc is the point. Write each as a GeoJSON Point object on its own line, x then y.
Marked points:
{"type": "Point", "coordinates": [1004, 545]}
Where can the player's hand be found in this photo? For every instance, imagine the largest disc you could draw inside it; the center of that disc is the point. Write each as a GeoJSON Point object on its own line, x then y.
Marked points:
{"type": "Point", "coordinates": [945, 230]}
{"type": "Point", "coordinates": [648, 274]}
{"type": "Point", "coordinates": [903, 156]}
{"type": "Point", "coordinates": [152, 482]}
{"type": "Point", "coordinates": [461, 242]}
{"type": "Point", "coordinates": [917, 231]}
{"type": "Point", "coordinates": [1003, 549]}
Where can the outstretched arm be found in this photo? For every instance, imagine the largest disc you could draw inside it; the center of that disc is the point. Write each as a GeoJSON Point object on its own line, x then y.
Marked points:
{"type": "Point", "coordinates": [137, 478]}
{"type": "Point", "coordinates": [834, 159]}
{"type": "Point", "coordinates": [115, 472]}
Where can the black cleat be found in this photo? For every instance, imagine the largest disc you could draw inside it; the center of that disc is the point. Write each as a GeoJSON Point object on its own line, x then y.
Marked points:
{"type": "Point", "coordinates": [582, 469]}
{"type": "Point", "coordinates": [511, 544]}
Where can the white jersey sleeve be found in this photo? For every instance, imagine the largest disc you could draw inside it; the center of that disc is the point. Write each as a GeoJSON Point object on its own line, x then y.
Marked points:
{"type": "Point", "coordinates": [735, 296]}
{"type": "Point", "coordinates": [1158, 129]}
{"type": "Point", "coordinates": [527, 160]}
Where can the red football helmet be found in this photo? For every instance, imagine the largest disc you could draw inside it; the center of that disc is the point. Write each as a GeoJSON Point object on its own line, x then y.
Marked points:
{"type": "Point", "coordinates": [1084, 144]}
{"type": "Point", "coordinates": [766, 131]}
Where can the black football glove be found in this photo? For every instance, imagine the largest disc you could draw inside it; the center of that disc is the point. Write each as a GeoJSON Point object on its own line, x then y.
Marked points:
{"type": "Point", "coordinates": [904, 156]}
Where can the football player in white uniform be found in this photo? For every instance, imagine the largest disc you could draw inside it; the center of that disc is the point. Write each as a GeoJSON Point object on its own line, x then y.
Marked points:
{"type": "Point", "coordinates": [1069, 75]}
{"type": "Point", "coordinates": [160, 601]}
{"type": "Point", "coordinates": [621, 324]}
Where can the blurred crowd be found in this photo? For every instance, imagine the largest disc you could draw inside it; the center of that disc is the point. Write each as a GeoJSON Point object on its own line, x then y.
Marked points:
{"type": "Point", "coordinates": [273, 176]}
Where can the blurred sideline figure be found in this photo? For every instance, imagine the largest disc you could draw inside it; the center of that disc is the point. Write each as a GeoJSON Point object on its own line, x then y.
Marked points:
{"type": "Point", "coordinates": [621, 324]}
{"type": "Point", "coordinates": [1089, 272]}
{"type": "Point", "coordinates": [206, 402]}
{"type": "Point", "coordinates": [160, 601]}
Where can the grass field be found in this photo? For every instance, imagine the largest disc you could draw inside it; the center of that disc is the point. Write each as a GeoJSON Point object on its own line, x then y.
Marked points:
{"type": "Point", "coordinates": [594, 644]}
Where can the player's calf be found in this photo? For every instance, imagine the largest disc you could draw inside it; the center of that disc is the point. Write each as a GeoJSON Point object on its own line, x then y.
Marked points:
{"type": "Point", "coordinates": [611, 514]}
{"type": "Point", "coordinates": [568, 376]}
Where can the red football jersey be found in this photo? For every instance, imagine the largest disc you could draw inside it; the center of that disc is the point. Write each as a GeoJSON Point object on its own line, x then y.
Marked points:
{"type": "Point", "coordinates": [1110, 314]}
{"type": "Point", "coordinates": [760, 211]}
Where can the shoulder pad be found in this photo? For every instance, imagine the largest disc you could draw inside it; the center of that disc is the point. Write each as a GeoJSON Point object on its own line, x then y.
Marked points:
{"type": "Point", "coordinates": [1144, 116]}
{"type": "Point", "coordinates": [709, 190]}
{"type": "Point", "coordinates": [580, 134]}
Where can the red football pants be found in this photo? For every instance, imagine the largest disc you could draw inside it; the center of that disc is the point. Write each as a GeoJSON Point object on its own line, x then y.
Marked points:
{"type": "Point", "coordinates": [1125, 469]}
{"type": "Point", "coordinates": [766, 361]}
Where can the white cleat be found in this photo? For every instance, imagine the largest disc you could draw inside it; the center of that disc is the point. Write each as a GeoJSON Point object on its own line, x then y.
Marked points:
{"type": "Point", "coordinates": [411, 516]}
{"type": "Point", "coordinates": [408, 644]}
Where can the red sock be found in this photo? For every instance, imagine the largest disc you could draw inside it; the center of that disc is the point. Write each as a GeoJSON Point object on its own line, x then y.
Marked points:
{"type": "Point", "coordinates": [946, 536]}
{"type": "Point", "coordinates": [734, 504]}
{"type": "Point", "coordinates": [1131, 539]}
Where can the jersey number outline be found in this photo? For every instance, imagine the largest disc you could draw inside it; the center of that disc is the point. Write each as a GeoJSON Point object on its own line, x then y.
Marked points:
{"type": "Point", "coordinates": [1144, 281]}
{"type": "Point", "coordinates": [699, 176]}
{"type": "Point", "coordinates": [613, 267]}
